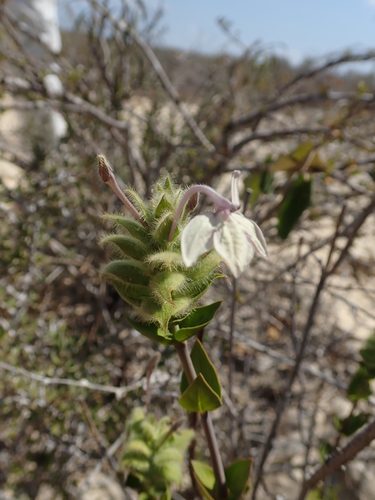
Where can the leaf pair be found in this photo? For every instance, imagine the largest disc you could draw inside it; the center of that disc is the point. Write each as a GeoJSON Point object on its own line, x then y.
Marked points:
{"type": "Point", "coordinates": [183, 329]}
{"type": "Point", "coordinates": [204, 393]}
{"type": "Point", "coordinates": [236, 475]}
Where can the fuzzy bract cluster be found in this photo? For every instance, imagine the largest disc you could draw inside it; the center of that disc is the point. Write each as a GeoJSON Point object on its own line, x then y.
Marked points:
{"type": "Point", "coordinates": [149, 273]}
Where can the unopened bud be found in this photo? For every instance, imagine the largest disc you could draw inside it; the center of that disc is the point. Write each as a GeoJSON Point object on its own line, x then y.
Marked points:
{"type": "Point", "coordinates": [193, 202]}
{"type": "Point", "coordinates": [104, 168]}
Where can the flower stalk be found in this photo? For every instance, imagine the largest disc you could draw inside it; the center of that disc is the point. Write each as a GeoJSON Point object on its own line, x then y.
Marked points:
{"type": "Point", "coordinates": [108, 177]}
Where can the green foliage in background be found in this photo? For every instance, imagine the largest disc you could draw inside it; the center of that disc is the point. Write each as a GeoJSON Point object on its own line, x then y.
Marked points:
{"type": "Point", "coordinates": [154, 455]}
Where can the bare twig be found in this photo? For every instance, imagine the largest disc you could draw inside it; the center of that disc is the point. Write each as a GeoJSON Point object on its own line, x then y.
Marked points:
{"type": "Point", "coordinates": [85, 384]}
{"type": "Point", "coordinates": [327, 271]}
{"type": "Point", "coordinates": [123, 26]}
{"type": "Point", "coordinates": [340, 457]}
{"type": "Point", "coordinates": [312, 98]}
{"type": "Point", "coordinates": [273, 134]}
{"type": "Point", "coordinates": [345, 58]}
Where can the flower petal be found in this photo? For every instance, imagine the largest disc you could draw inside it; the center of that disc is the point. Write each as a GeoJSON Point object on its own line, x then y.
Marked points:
{"type": "Point", "coordinates": [231, 244]}
{"type": "Point", "coordinates": [196, 238]}
{"type": "Point", "coordinates": [252, 232]}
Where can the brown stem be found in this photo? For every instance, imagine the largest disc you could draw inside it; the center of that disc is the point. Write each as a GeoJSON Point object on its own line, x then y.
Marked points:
{"type": "Point", "coordinates": [340, 457]}
{"type": "Point", "coordinates": [213, 447]}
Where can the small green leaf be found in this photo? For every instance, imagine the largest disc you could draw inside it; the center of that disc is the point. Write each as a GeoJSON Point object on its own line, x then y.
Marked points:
{"type": "Point", "coordinates": [302, 151]}
{"type": "Point", "coordinates": [351, 424]}
{"type": "Point", "coordinates": [253, 182]}
{"type": "Point", "coordinates": [204, 366]}
{"type": "Point", "coordinates": [237, 476]}
{"type": "Point", "coordinates": [295, 202]}
{"type": "Point", "coordinates": [205, 477]}
{"type": "Point", "coordinates": [199, 397]}
{"type": "Point", "coordinates": [359, 386]}
{"type": "Point", "coordinates": [196, 320]}
{"type": "Point", "coordinates": [368, 353]}
{"type": "Point", "coordinates": [266, 181]}
{"type": "Point", "coordinates": [163, 206]}
{"type": "Point", "coordinates": [325, 450]}
{"type": "Point", "coordinates": [283, 163]}
{"type": "Point", "coordinates": [150, 331]}
{"type": "Point", "coordinates": [168, 186]}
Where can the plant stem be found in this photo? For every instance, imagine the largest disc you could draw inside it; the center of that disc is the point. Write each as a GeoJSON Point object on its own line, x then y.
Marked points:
{"type": "Point", "coordinates": [208, 428]}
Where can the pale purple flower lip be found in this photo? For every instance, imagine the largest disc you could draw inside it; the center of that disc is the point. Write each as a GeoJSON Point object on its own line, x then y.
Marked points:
{"type": "Point", "coordinates": [234, 237]}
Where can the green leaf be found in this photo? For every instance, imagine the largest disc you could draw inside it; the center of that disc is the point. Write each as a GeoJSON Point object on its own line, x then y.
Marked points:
{"type": "Point", "coordinates": [132, 294]}
{"type": "Point", "coordinates": [283, 163]}
{"type": "Point", "coordinates": [205, 477]}
{"type": "Point", "coordinates": [204, 267]}
{"type": "Point", "coordinates": [153, 311]}
{"type": "Point", "coordinates": [199, 397]}
{"type": "Point", "coordinates": [303, 157]}
{"type": "Point", "coordinates": [196, 289]}
{"type": "Point", "coordinates": [351, 424]}
{"type": "Point", "coordinates": [127, 271]}
{"type": "Point", "coordinates": [368, 353]}
{"type": "Point", "coordinates": [302, 151]}
{"type": "Point", "coordinates": [359, 386]}
{"type": "Point", "coordinates": [295, 202]}
{"type": "Point", "coordinates": [266, 181]}
{"type": "Point", "coordinates": [163, 206]}
{"type": "Point", "coordinates": [253, 182]}
{"type": "Point", "coordinates": [237, 476]}
{"type": "Point", "coordinates": [196, 320]}
{"type": "Point", "coordinates": [204, 366]}
{"type": "Point", "coordinates": [164, 283]}
{"type": "Point", "coordinates": [150, 331]}
{"type": "Point", "coordinates": [133, 227]}
{"type": "Point", "coordinates": [128, 246]}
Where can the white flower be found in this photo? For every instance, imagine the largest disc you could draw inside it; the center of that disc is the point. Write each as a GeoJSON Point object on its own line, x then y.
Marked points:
{"type": "Point", "coordinates": [234, 237]}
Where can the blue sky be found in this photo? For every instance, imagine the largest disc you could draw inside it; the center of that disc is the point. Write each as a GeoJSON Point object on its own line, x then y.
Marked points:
{"type": "Point", "coordinates": [294, 28]}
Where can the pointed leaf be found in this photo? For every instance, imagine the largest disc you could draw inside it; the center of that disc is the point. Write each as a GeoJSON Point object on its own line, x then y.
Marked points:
{"type": "Point", "coordinates": [199, 397]}
{"type": "Point", "coordinates": [168, 186]}
{"type": "Point", "coordinates": [351, 424]}
{"type": "Point", "coordinates": [128, 246]}
{"type": "Point", "coordinates": [205, 477]}
{"type": "Point", "coordinates": [237, 476]}
{"type": "Point", "coordinates": [359, 386]}
{"type": "Point", "coordinates": [204, 366]}
{"type": "Point", "coordinates": [266, 181]}
{"type": "Point", "coordinates": [295, 202]}
{"type": "Point", "coordinates": [196, 320]}
{"type": "Point", "coordinates": [163, 206]}
{"type": "Point", "coordinates": [127, 271]}
{"type": "Point", "coordinates": [132, 294]}
{"type": "Point", "coordinates": [133, 227]}
{"type": "Point", "coordinates": [150, 331]}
